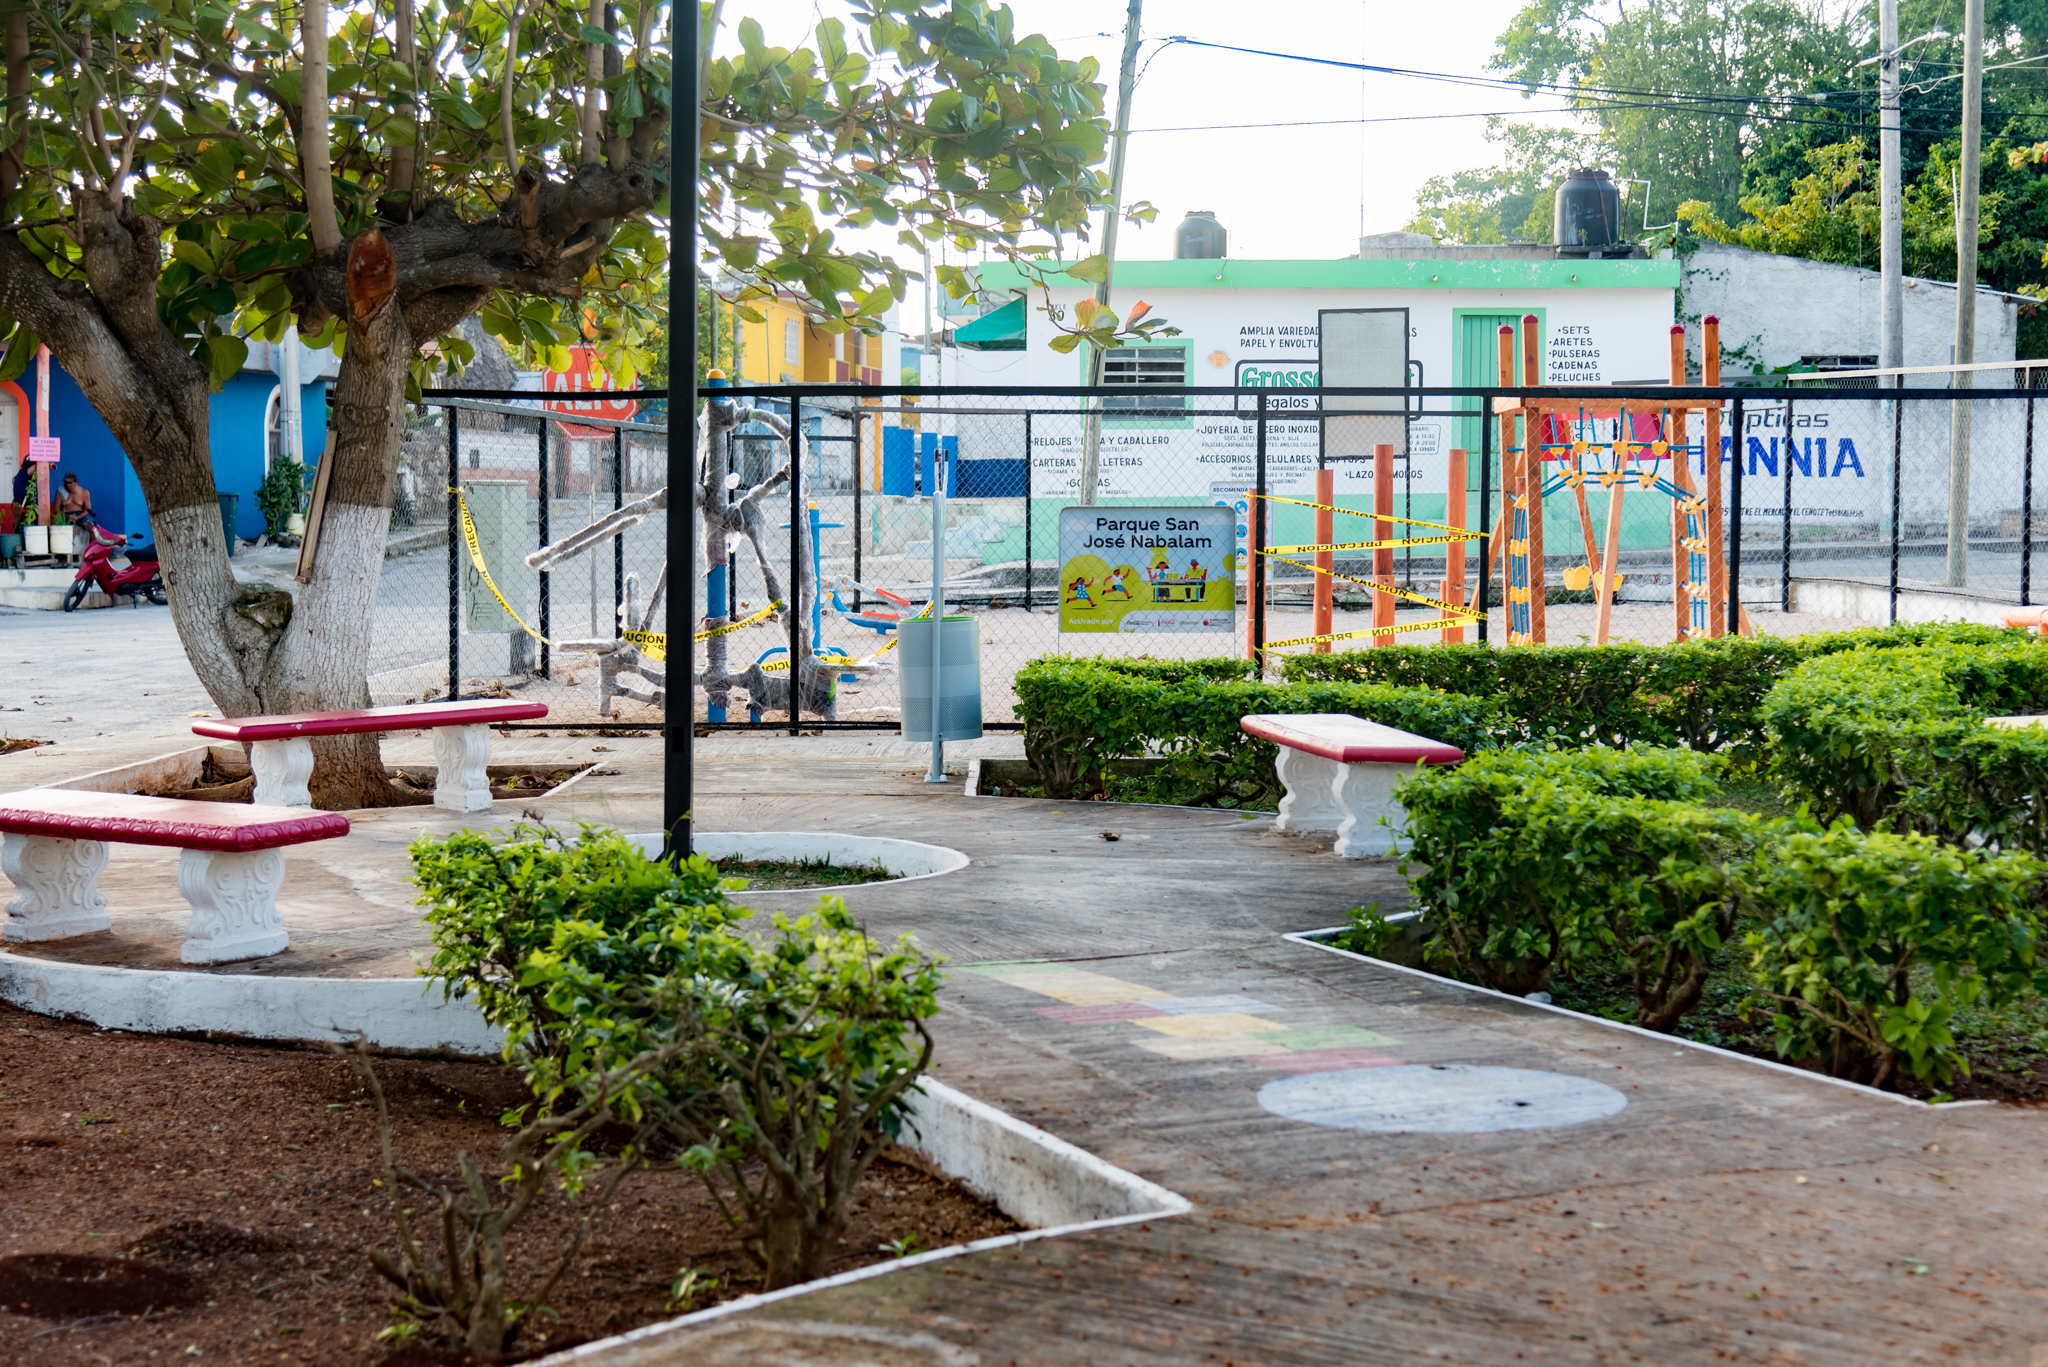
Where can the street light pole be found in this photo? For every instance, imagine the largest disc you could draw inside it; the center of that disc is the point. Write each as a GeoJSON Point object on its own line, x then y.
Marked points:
{"type": "Point", "coordinates": [1127, 76]}
{"type": "Point", "coordinates": [1966, 294]}
{"type": "Point", "coordinates": [680, 713]}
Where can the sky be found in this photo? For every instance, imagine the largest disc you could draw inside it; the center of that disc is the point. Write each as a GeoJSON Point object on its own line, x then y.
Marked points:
{"type": "Point", "coordinates": [1298, 191]}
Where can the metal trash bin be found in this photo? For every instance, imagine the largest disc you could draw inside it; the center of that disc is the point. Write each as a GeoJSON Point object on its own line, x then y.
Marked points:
{"type": "Point", "coordinates": [959, 678]}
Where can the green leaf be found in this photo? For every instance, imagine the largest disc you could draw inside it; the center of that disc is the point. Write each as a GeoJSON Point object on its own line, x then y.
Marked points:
{"type": "Point", "coordinates": [1093, 269]}
{"type": "Point", "coordinates": [19, 351]}
{"type": "Point", "coordinates": [1064, 342]}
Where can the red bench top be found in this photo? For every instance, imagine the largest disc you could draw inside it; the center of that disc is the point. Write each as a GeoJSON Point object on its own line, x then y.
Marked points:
{"type": "Point", "coordinates": [1349, 740]}
{"type": "Point", "coordinates": [463, 712]}
{"type": "Point", "coordinates": [132, 820]}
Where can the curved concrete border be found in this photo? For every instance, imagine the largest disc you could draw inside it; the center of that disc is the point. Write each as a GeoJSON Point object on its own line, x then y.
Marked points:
{"type": "Point", "coordinates": [1033, 1177]}
{"type": "Point", "coordinates": [392, 1013]}
{"type": "Point", "coordinates": [1310, 938]}
{"type": "Point", "coordinates": [908, 859]}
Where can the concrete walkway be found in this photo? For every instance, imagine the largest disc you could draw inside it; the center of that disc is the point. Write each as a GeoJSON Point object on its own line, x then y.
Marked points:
{"type": "Point", "coordinates": [1621, 1199]}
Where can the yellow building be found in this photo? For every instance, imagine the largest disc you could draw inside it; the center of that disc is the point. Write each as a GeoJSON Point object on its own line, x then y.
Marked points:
{"type": "Point", "coordinates": [788, 347]}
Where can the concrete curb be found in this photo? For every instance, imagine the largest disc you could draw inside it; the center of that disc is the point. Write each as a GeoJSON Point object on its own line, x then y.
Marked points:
{"type": "Point", "coordinates": [391, 1013]}
{"type": "Point", "coordinates": [908, 859]}
{"type": "Point", "coordinates": [1032, 1176]}
{"type": "Point", "coordinates": [1307, 937]}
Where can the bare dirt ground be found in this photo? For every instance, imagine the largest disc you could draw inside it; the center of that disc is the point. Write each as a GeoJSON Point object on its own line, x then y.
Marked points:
{"type": "Point", "coordinates": [169, 1198]}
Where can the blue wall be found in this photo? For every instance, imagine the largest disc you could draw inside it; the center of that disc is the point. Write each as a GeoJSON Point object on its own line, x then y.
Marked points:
{"type": "Point", "coordinates": [237, 440]}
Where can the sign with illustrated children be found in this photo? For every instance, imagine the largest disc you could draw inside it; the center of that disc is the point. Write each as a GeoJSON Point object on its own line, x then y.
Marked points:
{"type": "Point", "coordinates": [1148, 569]}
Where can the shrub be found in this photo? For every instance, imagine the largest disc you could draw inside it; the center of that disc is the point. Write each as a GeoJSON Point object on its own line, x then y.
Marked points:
{"type": "Point", "coordinates": [1533, 862]}
{"type": "Point", "coordinates": [796, 1054]}
{"type": "Point", "coordinates": [1868, 943]}
{"type": "Point", "coordinates": [1704, 695]}
{"type": "Point", "coordinates": [490, 905]}
{"type": "Point", "coordinates": [1898, 737]}
{"type": "Point", "coordinates": [1082, 715]}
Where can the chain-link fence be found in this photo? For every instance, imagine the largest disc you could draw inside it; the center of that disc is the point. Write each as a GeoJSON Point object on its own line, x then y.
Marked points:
{"type": "Point", "coordinates": [1217, 516]}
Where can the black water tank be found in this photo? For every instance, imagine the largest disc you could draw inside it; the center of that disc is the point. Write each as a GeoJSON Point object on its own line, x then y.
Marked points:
{"type": "Point", "coordinates": [1200, 238]}
{"type": "Point", "coordinates": [1588, 210]}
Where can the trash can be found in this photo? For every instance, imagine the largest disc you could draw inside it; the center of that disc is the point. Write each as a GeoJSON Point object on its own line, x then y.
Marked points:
{"type": "Point", "coordinates": [229, 503]}
{"type": "Point", "coordinates": [959, 678]}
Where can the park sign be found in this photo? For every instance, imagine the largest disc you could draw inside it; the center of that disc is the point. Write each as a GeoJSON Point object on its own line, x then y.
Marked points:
{"type": "Point", "coordinates": [1128, 569]}
{"type": "Point", "coordinates": [594, 403]}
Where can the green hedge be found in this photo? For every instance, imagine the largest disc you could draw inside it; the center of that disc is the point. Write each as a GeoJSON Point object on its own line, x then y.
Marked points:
{"type": "Point", "coordinates": [1860, 948]}
{"type": "Point", "coordinates": [1897, 737]}
{"type": "Point", "coordinates": [1080, 715]}
{"type": "Point", "coordinates": [1704, 695]}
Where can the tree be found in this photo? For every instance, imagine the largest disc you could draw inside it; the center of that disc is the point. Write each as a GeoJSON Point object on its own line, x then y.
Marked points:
{"type": "Point", "coordinates": [180, 175]}
{"type": "Point", "coordinates": [1680, 91]}
{"type": "Point", "coordinates": [1505, 203]}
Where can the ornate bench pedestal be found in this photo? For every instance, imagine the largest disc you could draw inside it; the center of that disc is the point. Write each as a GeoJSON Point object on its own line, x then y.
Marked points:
{"type": "Point", "coordinates": [1340, 772]}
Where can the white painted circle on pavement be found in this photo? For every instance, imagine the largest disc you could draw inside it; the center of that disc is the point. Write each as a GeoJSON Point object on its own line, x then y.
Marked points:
{"type": "Point", "coordinates": [1450, 1098]}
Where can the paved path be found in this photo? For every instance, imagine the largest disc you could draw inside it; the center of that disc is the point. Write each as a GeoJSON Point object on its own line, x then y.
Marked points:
{"type": "Point", "coordinates": [1135, 997]}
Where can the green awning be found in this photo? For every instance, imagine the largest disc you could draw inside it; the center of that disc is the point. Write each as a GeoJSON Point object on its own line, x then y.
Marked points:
{"type": "Point", "coordinates": [999, 330]}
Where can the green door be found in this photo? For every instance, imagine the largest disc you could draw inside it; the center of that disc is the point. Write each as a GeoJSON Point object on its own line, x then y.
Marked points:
{"type": "Point", "coordinates": [1477, 363]}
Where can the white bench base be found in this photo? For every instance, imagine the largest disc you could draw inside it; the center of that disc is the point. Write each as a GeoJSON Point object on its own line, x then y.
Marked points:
{"type": "Point", "coordinates": [234, 905]}
{"type": "Point", "coordinates": [233, 896]}
{"type": "Point", "coordinates": [1354, 802]}
{"type": "Point", "coordinates": [57, 887]}
{"type": "Point", "coordinates": [462, 754]}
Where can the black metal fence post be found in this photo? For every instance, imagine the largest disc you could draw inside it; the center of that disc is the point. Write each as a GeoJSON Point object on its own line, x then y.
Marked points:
{"type": "Point", "coordinates": [545, 493]}
{"type": "Point", "coordinates": [1898, 500]}
{"type": "Point", "coordinates": [454, 554]}
{"type": "Point", "coordinates": [1785, 539]}
{"type": "Point", "coordinates": [795, 608]}
{"type": "Point", "coordinates": [618, 501]}
{"type": "Point", "coordinates": [1028, 467]}
{"type": "Point", "coordinates": [2027, 509]}
{"type": "Point", "coordinates": [1735, 531]}
{"type": "Point", "coordinates": [1255, 573]}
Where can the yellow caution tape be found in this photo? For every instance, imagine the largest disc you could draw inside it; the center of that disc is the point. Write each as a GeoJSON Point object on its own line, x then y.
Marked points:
{"type": "Point", "coordinates": [476, 557]}
{"type": "Point", "coordinates": [1431, 625]}
{"type": "Point", "coordinates": [1378, 587]}
{"type": "Point", "coordinates": [768, 611]}
{"type": "Point", "coordinates": [1395, 544]}
{"type": "Point", "coordinates": [1377, 517]}
{"type": "Point", "coordinates": [652, 644]}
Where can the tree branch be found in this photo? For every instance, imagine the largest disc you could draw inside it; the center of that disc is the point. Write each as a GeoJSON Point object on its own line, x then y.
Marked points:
{"type": "Point", "coordinates": [314, 157]}
{"type": "Point", "coordinates": [405, 156]}
{"type": "Point", "coordinates": [511, 85]}
{"type": "Point", "coordinates": [15, 157]}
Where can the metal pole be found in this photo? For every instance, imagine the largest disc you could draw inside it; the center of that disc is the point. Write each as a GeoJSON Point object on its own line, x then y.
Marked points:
{"type": "Point", "coordinates": [619, 501]}
{"type": "Point", "coordinates": [859, 531]}
{"type": "Point", "coordinates": [1127, 76]}
{"type": "Point", "coordinates": [1960, 412]}
{"type": "Point", "coordinates": [1255, 574]}
{"type": "Point", "coordinates": [796, 567]}
{"type": "Point", "coordinates": [2027, 509]}
{"type": "Point", "coordinates": [1785, 516]}
{"type": "Point", "coordinates": [1486, 508]}
{"type": "Point", "coordinates": [937, 773]}
{"type": "Point", "coordinates": [1898, 466]}
{"type": "Point", "coordinates": [1891, 313]}
{"type": "Point", "coordinates": [454, 558]}
{"type": "Point", "coordinates": [679, 732]}
{"type": "Point", "coordinates": [544, 493]}
{"type": "Point", "coordinates": [1735, 531]}
{"type": "Point", "coordinates": [1028, 468]}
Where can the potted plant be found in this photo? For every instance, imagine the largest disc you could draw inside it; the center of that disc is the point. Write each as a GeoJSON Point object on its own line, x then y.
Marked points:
{"type": "Point", "coordinates": [61, 534]}
{"type": "Point", "coordinates": [35, 536]}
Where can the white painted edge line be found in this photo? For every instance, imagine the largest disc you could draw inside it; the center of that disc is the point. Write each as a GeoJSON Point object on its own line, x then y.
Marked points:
{"type": "Point", "coordinates": [1170, 1204]}
{"type": "Point", "coordinates": [1301, 937]}
{"type": "Point", "coordinates": [937, 860]}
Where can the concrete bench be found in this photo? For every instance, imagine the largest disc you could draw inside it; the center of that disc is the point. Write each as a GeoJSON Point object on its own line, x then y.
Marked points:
{"type": "Point", "coordinates": [281, 748]}
{"type": "Point", "coordinates": [55, 847]}
{"type": "Point", "coordinates": [1340, 773]}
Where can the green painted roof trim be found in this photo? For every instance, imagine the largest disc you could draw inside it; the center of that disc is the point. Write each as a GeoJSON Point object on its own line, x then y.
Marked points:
{"type": "Point", "coordinates": [1372, 275]}
{"type": "Point", "coordinates": [997, 330]}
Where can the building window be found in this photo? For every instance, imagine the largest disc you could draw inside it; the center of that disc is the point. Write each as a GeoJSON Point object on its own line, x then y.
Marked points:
{"type": "Point", "coordinates": [1160, 365]}
{"type": "Point", "coordinates": [792, 341]}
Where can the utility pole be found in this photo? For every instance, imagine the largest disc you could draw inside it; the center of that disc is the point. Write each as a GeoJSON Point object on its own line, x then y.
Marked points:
{"type": "Point", "coordinates": [1966, 294]}
{"type": "Point", "coordinates": [1891, 313]}
{"type": "Point", "coordinates": [1091, 443]}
